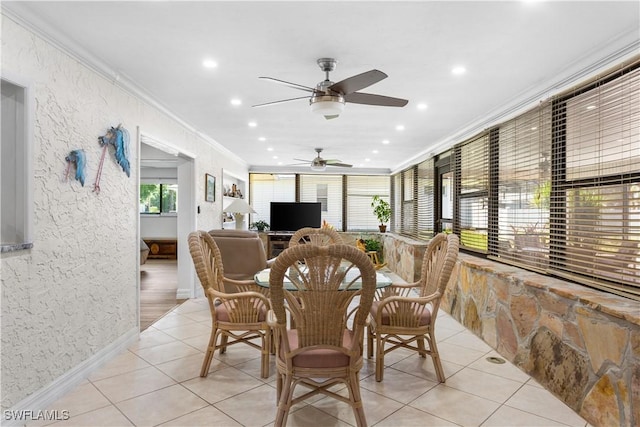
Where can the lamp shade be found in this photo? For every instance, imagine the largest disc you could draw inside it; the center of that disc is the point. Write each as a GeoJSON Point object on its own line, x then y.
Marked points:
{"type": "Point", "coordinates": [327, 105]}
{"type": "Point", "coordinates": [239, 206]}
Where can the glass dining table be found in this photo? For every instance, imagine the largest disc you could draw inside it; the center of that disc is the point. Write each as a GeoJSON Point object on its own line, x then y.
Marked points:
{"type": "Point", "coordinates": [382, 280]}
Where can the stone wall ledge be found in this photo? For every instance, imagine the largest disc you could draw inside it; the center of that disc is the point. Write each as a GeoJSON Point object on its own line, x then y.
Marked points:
{"type": "Point", "coordinates": [610, 304]}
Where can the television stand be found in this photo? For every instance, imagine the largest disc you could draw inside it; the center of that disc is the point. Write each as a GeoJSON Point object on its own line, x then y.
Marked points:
{"type": "Point", "coordinates": [277, 242]}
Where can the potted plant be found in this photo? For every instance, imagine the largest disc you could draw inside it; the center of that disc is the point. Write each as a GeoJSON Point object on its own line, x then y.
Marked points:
{"type": "Point", "coordinates": [382, 211]}
{"type": "Point", "coordinates": [260, 225]}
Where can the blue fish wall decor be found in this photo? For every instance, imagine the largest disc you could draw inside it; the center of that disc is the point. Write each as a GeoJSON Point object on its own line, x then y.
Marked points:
{"type": "Point", "coordinates": [79, 160]}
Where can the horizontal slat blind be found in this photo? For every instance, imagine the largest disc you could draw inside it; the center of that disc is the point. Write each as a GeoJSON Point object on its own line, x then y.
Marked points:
{"type": "Point", "coordinates": [408, 203]}
{"type": "Point", "coordinates": [360, 191]}
{"type": "Point", "coordinates": [326, 189]}
{"type": "Point", "coordinates": [471, 165]}
{"type": "Point", "coordinates": [265, 188]}
{"type": "Point", "coordinates": [599, 237]}
{"type": "Point", "coordinates": [524, 188]}
{"type": "Point", "coordinates": [425, 201]}
{"type": "Point", "coordinates": [396, 202]}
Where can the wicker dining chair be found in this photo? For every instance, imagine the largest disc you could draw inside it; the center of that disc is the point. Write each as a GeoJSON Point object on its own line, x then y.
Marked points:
{"type": "Point", "coordinates": [317, 236]}
{"type": "Point", "coordinates": [401, 319]}
{"type": "Point", "coordinates": [326, 346]}
{"type": "Point", "coordinates": [235, 317]}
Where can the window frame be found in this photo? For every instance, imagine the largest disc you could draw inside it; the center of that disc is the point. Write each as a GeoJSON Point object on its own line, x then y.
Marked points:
{"type": "Point", "coordinates": [25, 170]}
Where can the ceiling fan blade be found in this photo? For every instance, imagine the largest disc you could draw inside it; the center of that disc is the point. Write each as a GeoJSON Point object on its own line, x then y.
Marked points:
{"type": "Point", "coordinates": [342, 165]}
{"type": "Point", "coordinates": [266, 104]}
{"type": "Point", "coordinates": [303, 160]}
{"type": "Point", "coordinates": [357, 82]}
{"type": "Point", "coordinates": [371, 99]}
{"type": "Point", "coordinates": [289, 84]}
{"type": "Point", "coordinates": [334, 116]}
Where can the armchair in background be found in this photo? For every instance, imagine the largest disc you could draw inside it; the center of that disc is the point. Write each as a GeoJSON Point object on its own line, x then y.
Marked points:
{"type": "Point", "coordinates": [243, 255]}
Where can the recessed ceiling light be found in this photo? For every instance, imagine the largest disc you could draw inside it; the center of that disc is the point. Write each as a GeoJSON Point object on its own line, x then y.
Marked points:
{"type": "Point", "coordinates": [275, 157]}
{"type": "Point", "coordinates": [270, 149]}
{"type": "Point", "coordinates": [209, 63]}
{"type": "Point", "coordinates": [279, 163]}
{"type": "Point", "coordinates": [375, 151]}
{"type": "Point", "coordinates": [252, 124]}
{"type": "Point", "coordinates": [400, 127]}
{"type": "Point", "coordinates": [458, 70]}
{"type": "Point", "coordinates": [367, 160]}
{"type": "Point", "coordinates": [421, 106]}
{"type": "Point", "coordinates": [262, 138]}
{"type": "Point", "coordinates": [235, 102]}
{"type": "Point", "coordinates": [385, 141]}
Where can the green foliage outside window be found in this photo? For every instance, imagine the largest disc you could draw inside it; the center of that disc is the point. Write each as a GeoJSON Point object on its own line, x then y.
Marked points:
{"type": "Point", "coordinates": [158, 198]}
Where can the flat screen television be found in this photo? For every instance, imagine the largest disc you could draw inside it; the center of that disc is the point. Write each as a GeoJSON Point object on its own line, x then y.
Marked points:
{"type": "Point", "coordinates": [292, 216]}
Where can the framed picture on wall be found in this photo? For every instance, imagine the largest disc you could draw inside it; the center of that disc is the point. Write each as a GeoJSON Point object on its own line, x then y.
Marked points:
{"type": "Point", "coordinates": [210, 188]}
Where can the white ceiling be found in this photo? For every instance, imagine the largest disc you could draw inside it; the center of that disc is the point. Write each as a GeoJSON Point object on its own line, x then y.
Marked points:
{"type": "Point", "coordinates": [516, 54]}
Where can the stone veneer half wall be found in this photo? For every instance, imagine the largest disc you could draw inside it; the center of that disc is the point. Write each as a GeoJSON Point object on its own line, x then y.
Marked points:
{"type": "Point", "coordinates": [581, 344]}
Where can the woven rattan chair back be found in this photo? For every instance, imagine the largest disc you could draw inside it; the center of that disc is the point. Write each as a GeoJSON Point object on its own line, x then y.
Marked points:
{"type": "Point", "coordinates": [401, 318]}
{"type": "Point", "coordinates": [329, 284]}
{"type": "Point", "coordinates": [316, 236]}
{"type": "Point", "coordinates": [239, 316]}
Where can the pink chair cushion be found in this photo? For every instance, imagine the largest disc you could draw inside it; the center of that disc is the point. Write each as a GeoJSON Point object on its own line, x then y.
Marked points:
{"type": "Point", "coordinates": [321, 358]}
{"type": "Point", "coordinates": [425, 317]}
{"type": "Point", "coordinates": [222, 314]}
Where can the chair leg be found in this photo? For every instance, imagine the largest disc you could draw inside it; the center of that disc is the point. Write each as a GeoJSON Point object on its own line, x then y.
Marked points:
{"type": "Point", "coordinates": [223, 343]}
{"type": "Point", "coordinates": [356, 399]}
{"type": "Point", "coordinates": [421, 348]}
{"type": "Point", "coordinates": [266, 350]}
{"type": "Point", "coordinates": [379, 358]}
{"type": "Point", "coordinates": [369, 342]}
{"type": "Point", "coordinates": [435, 356]}
{"type": "Point", "coordinates": [208, 356]}
{"type": "Point", "coordinates": [284, 404]}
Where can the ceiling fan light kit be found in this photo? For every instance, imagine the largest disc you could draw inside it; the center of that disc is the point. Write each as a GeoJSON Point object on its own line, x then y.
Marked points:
{"type": "Point", "coordinates": [327, 105]}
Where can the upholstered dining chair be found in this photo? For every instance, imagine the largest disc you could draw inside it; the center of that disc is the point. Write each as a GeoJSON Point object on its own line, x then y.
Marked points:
{"type": "Point", "coordinates": [243, 255]}
{"type": "Point", "coordinates": [317, 236]}
{"type": "Point", "coordinates": [235, 317]}
{"type": "Point", "coordinates": [401, 319]}
{"type": "Point", "coordinates": [326, 346]}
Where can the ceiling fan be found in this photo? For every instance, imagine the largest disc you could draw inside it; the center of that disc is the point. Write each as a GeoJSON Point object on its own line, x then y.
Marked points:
{"type": "Point", "coordinates": [319, 164]}
{"type": "Point", "coordinates": [328, 98]}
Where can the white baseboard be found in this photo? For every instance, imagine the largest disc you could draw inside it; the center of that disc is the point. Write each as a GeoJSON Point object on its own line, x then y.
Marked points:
{"type": "Point", "coordinates": [43, 398]}
{"type": "Point", "coordinates": [184, 294]}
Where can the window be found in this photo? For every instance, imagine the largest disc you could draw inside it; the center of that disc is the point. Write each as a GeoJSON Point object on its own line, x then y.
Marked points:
{"type": "Point", "coordinates": [158, 198]}
{"type": "Point", "coordinates": [359, 193]}
{"type": "Point", "coordinates": [265, 188]}
{"type": "Point", "coordinates": [345, 199]}
{"type": "Point", "coordinates": [471, 187]}
{"type": "Point", "coordinates": [595, 194]}
{"type": "Point", "coordinates": [524, 188]}
{"type": "Point", "coordinates": [326, 189]}
{"type": "Point", "coordinates": [426, 194]}
{"type": "Point", "coordinates": [555, 189]}
{"type": "Point", "coordinates": [16, 188]}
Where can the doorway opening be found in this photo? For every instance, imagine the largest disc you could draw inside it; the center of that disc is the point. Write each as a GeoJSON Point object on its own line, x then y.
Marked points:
{"type": "Point", "coordinates": [166, 216]}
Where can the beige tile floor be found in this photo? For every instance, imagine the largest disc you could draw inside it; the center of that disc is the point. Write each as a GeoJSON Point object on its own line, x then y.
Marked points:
{"type": "Point", "coordinates": [156, 382]}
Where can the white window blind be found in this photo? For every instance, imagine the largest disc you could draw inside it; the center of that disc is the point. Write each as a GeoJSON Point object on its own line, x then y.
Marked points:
{"type": "Point", "coordinates": [598, 184]}
{"type": "Point", "coordinates": [471, 184]}
{"type": "Point", "coordinates": [425, 201]}
{"type": "Point", "coordinates": [524, 188]}
{"type": "Point", "coordinates": [360, 191]}
{"type": "Point", "coordinates": [326, 189]}
{"type": "Point", "coordinates": [266, 188]}
{"type": "Point", "coordinates": [396, 202]}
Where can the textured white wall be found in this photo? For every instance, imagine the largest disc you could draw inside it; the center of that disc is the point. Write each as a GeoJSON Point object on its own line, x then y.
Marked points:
{"type": "Point", "coordinates": [75, 292]}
